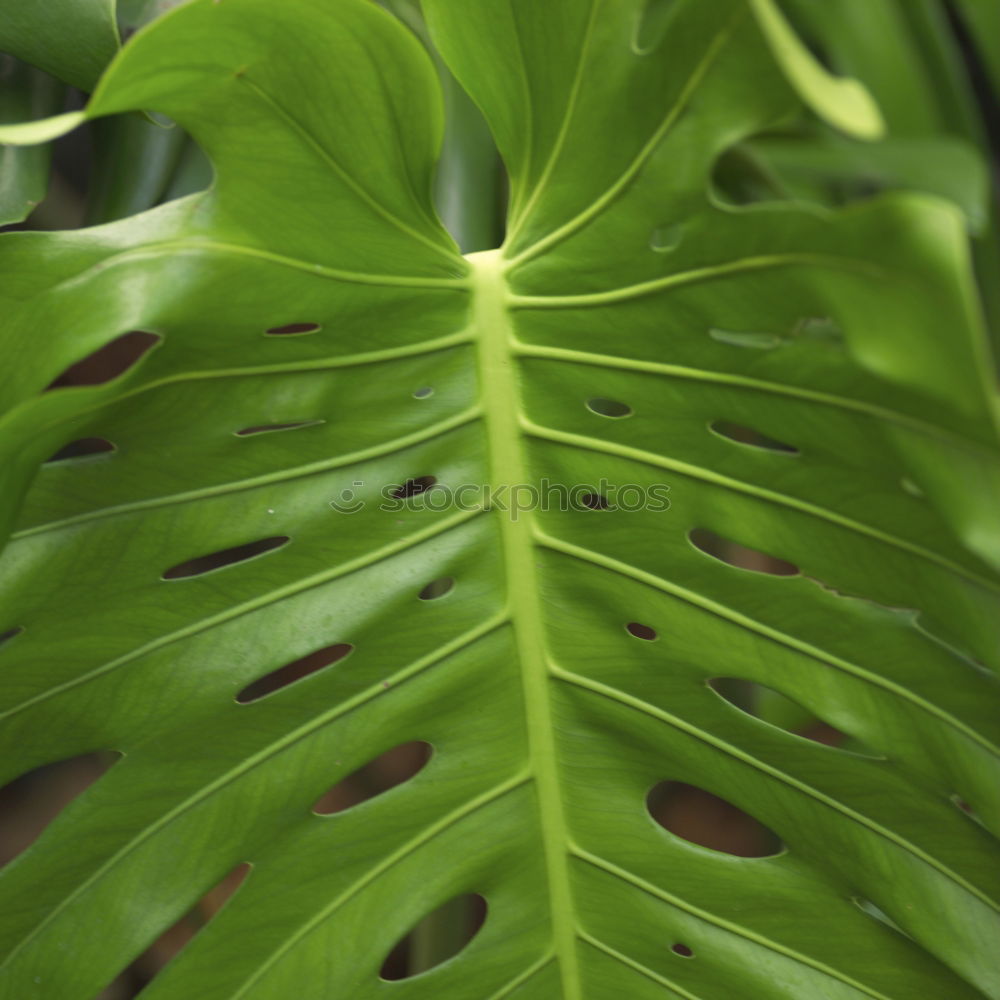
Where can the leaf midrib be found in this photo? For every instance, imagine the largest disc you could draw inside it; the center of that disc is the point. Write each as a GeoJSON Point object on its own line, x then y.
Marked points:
{"type": "Point", "coordinates": [508, 468]}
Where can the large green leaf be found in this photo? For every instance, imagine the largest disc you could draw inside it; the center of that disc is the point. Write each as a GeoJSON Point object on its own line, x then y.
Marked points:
{"type": "Point", "coordinates": [852, 337]}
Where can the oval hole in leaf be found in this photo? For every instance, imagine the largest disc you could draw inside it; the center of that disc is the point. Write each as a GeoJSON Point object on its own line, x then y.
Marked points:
{"type": "Point", "coordinates": [664, 239]}
{"type": "Point", "coordinates": [702, 818]}
{"type": "Point", "coordinates": [423, 392]}
{"type": "Point", "coordinates": [220, 894]}
{"type": "Point", "coordinates": [776, 709]}
{"type": "Point", "coordinates": [746, 338]}
{"type": "Point", "coordinates": [439, 936]}
{"type": "Point", "coordinates": [748, 436]}
{"type": "Point", "coordinates": [293, 329]}
{"type": "Point", "coordinates": [177, 937]}
{"type": "Point", "coordinates": [734, 554]}
{"type": "Point", "coordinates": [294, 671]}
{"type": "Point", "coordinates": [641, 631]}
{"type": "Point", "coordinates": [414, 487]}
{"type": "Point", "coordinates": [110, 361]}
{"type": "Point", "coordinates": [270, 428]}
{"type": "Point", "coordinates": [609, 407]}
{"type": "Point", "coordinates": [386, 771]}
{"type": "Point", "coordinates": [82, 448]}
{"type": "Point", "coordinates": [652, 25]}
{"type": "Point", "coordinates": [682, 949]}
{"type": "Point", "coordinates": [31, 802]}
{"type": "Point", "coordinates": [437, 588]}
{"type": "Point", "coordinates": [594, 501]}
{"type": "Point", "coordinates": [11, 633]}
{"type": "Point", "coordinates": [225, 557]}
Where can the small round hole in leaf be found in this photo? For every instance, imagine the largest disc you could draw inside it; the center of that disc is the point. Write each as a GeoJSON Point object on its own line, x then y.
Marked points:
{"type": "Point", "coordinates": [594, 501]}
{"type": "Point", "coordinates": [423, 392]}
{"type": "Point", "coordinates": [641, 631]}
{"type": "Point", "coordinates": [437, 588]}
{"type": "Point", "coordinates": [682, 949]}
{"type": "Point", "coordinates": [609, 407]}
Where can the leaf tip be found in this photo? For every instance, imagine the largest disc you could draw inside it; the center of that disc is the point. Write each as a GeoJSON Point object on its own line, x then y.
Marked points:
{"type": "Point", "coordinates": [43, 130]}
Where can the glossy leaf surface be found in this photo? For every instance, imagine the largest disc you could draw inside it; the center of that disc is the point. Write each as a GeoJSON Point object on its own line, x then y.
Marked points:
{"type": "Point", "coordinates": [329, 367]}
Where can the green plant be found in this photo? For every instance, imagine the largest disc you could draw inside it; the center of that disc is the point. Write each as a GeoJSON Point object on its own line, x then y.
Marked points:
{"type": "Point", "coordinates": [810, 382]}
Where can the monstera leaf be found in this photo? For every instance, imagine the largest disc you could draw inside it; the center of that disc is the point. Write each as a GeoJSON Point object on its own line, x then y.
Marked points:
{"type": "Point", "coordinates": [499, 497]}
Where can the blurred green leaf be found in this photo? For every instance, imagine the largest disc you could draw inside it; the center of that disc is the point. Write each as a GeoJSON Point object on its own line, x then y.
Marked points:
{"type": "Point", "coordinates": [134, 164]}
{"type": "Point", "coordinates": [831, 170]}
{"type": "Point", "coordinates": [71, 39]}
{"type": "Point", "coordinates": [135, 14]}
{"type": "Point", "coordinates": [844, 103]}
{"type": "Point", "coordinates": [983, 20]}
{"type": "Point", "coordinates": [25, 92]}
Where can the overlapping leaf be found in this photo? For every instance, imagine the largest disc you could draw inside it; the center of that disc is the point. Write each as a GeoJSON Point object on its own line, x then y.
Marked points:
{"type": "Point", "coordinates": [25, 93]}
{"type": "Point", "coordinates": [72, 39]}
{"type": "Point", "coordinates": [852, 339]}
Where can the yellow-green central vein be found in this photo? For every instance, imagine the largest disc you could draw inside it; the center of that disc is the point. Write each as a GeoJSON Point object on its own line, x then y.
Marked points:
{"type": "Point", "coordinates": [508, 468]}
